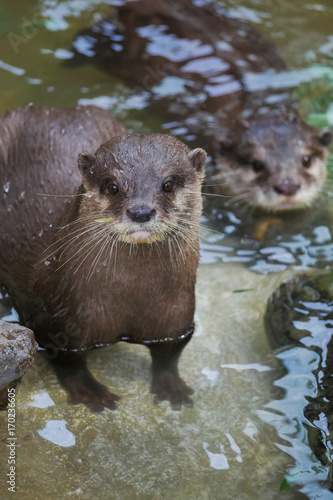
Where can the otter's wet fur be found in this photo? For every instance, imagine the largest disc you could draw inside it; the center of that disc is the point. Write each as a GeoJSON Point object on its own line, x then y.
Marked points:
{"type": "Point", "coordinates": [116, 262]}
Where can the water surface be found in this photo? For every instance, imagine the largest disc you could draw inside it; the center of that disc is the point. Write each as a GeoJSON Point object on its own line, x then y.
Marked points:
{"type": "Point", "coordinates": [246, 436]}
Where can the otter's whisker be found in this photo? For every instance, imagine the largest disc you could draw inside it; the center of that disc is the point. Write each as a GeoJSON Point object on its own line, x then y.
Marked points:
{"type": "Point", "coordinates": [67, 243]}
{"type": "Point", "coordinates": [81, 219]}
{"type": "Point", "coordinates": [103, 245]}
{"type": "Point", "coordinates": [181, 251]}
{"type": "Point", "coordinates": [95, 242]}
{"type": "Point", "coordinates": [60, 195]}
{"type": "Point", "coordinates": [77, 221]}
{"type": "Point", "coordinates": [189, 231]}
{"type": "Point", "coordinates": [95, 237]}
{"type": "Point", "coordinates": [80, 234]}
{"type": "Point", "coordinates": [188, 241]}
{"type": "Point", "coordinates": [215, 195]}
{"type": "Point", "coordinates": [215, 184]}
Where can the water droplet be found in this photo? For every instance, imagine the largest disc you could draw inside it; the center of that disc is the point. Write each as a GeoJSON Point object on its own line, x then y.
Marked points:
{"type": "Point", "coordinates": [49, 260]}
{"type": "Point", "coordinates": [21, 196]}
{"type": "Point", "coordinates": [6, 186]}
{"type": "Point", "coordinates": [40, 234]}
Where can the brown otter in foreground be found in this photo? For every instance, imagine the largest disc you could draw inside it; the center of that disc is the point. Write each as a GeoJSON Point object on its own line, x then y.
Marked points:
{"type": "Point", "coordinates": [118, 261]}
{"type": "Point", "coordinates": [203, 70]}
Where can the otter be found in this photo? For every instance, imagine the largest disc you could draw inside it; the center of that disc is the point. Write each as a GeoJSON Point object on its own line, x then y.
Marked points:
{"type": "Point", "coordinates": [273, 164]}
{"type": "Point", "coordinates": [115, 262]}
{"type": "Point", "coordinates": [194, 65]}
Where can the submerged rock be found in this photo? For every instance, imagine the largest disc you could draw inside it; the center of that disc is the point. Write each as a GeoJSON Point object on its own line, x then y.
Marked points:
{"type": "Point", "coordinates": [17, 347]}
{"type": "Point", "coordinates": [299, 316]}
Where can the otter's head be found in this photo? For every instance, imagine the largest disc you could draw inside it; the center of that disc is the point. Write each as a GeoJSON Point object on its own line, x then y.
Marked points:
{"type": "Point", "coordinates": [275, 164]}
{"type": "Point", "coordinates": [143, 188]}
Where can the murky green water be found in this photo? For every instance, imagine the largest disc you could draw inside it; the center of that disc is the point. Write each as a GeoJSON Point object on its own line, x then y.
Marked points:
{"type": "Point", "coordinates": [245, 438]}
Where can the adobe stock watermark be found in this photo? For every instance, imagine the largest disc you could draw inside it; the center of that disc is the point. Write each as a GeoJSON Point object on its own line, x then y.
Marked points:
{"type": "Point", "coordinates": [28, 28]}
{"type": "Point", "coordinates": [56, 343]}
{"type": "Point", "coordinates": [11, 441]}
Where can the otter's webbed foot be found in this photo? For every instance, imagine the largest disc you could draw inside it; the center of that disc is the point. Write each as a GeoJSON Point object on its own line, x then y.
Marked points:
{"type": "Point", "coordinates": [170, 387]}
{"type": "Point", "coordinates": [167, 384]}
{"type": "Point", "coordinates": [81, 386]}
{"type": "Point", "coordinates": [93, 394]}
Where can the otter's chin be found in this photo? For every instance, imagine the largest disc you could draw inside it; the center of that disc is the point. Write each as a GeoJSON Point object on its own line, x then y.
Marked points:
{"type": "Point", "coordinates": [142, 236]}
{"type": "Point", "coordinates": [284, 204]}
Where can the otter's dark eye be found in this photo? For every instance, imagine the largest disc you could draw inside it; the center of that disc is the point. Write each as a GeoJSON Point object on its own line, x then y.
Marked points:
{"type": "Point", "coordinates": [113, 189]}
{"type": "Point", "coordinates": [168, 186]}
{"type": "Point", "coordinates": [258, 166]}
{"type": "Point", "coordinates": [307, 161]}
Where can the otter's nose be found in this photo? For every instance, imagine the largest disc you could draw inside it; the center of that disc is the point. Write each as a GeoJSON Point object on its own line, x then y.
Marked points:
{"type": "Point", "coordinates": [287, 187]}
{"type": "Point", "coordinates": [141, 214]}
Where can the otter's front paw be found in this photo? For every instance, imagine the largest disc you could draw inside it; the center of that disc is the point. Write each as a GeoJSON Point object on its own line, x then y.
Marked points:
{"type": "Point", "coordinates": [170, 387]}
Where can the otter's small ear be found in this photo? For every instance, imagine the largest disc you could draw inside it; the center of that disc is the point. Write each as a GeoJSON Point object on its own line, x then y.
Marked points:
{"type": "Point", "coordinates": [85, 162]}
{"type": "Point", "coordinates": [198, 159]}
{"type": "Point", "coordinates": [325, 138]}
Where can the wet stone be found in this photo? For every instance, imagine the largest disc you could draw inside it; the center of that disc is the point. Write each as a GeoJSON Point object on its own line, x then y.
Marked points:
{"type": "Point", "coordinates": [17, 347]}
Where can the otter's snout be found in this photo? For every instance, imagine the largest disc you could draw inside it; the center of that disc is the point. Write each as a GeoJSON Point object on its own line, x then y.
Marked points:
{"type": "Point", "coordinates": [287, 187]}
{"type": "Point", "coordinates": [141, 214]}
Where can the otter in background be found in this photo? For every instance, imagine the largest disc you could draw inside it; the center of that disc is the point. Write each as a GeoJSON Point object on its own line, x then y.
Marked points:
{"type": "Point", "coordinates": [274, 164]}
{"type": "Point", "coordinates": [116, 258]}
{"type": "Point", "coordinates": [193, 61]}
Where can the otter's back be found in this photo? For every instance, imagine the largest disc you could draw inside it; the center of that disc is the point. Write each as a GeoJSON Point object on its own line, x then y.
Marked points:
{"type": "Point", "coordinates": [38, 166]}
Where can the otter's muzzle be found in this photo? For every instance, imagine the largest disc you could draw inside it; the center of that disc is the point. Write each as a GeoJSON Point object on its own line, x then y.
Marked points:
{"type": "Point", "coordinates": [288, 187]}
{"type": "Point", "coordinates": [142, 213]}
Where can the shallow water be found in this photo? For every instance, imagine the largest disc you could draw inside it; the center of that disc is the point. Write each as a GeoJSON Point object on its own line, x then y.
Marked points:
{"type": "Point", "coordinates": [246, 436]}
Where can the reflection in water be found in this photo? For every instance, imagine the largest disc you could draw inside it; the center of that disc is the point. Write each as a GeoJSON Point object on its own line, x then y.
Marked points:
{"type": "Point", "coordinates": [41, 400]}
{"type": "Point", "coordinates": [268, 243]}
{"type": "Point", "coordinates": [299, 317]}
{"type": "Point", "coordinates": [56, 432]}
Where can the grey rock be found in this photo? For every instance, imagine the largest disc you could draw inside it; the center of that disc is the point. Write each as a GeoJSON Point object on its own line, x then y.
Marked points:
{"type": "Point", "coordinates": [17, 347]}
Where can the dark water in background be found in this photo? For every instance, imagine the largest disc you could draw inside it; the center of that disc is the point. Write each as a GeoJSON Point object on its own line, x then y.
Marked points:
{"type": "Point", "coordinates": [36, 38]}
